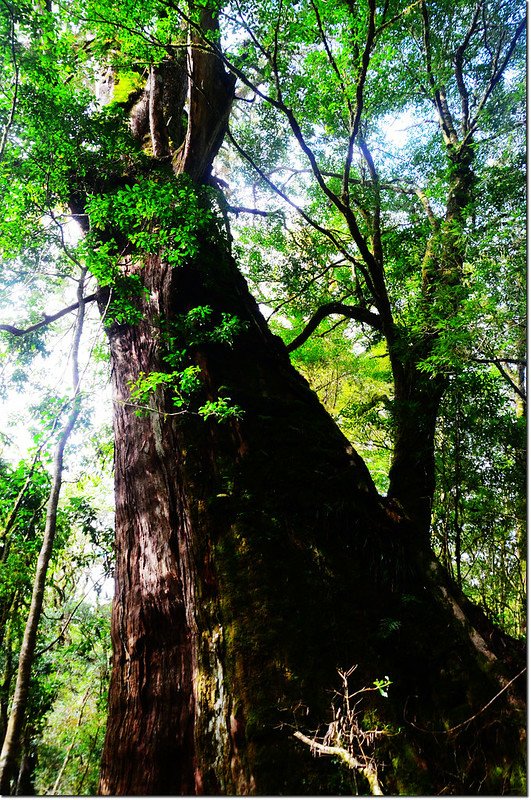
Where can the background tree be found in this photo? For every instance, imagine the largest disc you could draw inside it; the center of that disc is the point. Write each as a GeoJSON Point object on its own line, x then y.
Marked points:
{"type": "Point", "coordinates": [399, 232]}
{"type": "Point", "coordinates": [63, 644]}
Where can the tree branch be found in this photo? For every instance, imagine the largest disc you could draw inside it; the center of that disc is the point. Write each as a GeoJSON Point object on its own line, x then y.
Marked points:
{"type": "Point", "coordinates": [396, 17]}
{"type": "Point", "coordinates": [356, 117]}
{"type": "Point", "coordinates": [325, 231]}
{"type": "Point", "coordinates": [256, 211]}
{"type": "Point", "coordinates": [331, 59]}
{"type": "Point", "coordinates": [14, 99]}
{"type": "Point", "coordinates": [503, 372]}
{"type": "Point", "coordinates": [48, 318]}
{"type": "Point", "coordinates": [387, 186]}
{"type": "Point", "coordinates": [368, 771]}
{"type": "Point", "coordinates": [376, 217]}
{"type": "Point", "coordinates": [357, 313]}
{"type": "Point", "coordinates": [305, 286]}
{"type": "Point", "coordinates": [458, 60]}
{"type": "Point", "coordinates": [497, 74]}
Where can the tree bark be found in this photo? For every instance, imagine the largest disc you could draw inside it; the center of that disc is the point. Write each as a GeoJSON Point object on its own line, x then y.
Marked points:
{"type": "Point", "coordinates": [412, 472]}
{"type": "Point", "coordinates": [418, 393]}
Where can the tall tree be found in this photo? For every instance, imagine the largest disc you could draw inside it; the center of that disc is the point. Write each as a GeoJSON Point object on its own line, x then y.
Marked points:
{"type": "Point", "coordinates": [405, 226]}
{"type": "Point", "coordinates": [253, 552]}
{"type": "Point", "coordinates": [15, 724]}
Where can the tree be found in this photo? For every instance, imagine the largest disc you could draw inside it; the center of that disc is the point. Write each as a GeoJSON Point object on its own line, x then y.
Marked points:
{"type": "Point", "coordinates": [332, 92]}
{"type": "Point", "coordinates": [66, 629]}
{"type": "Point", "coordinates": [480, 503]}
{"type": "Point", "coordinates": [15, 723]}
{"type": "Point", "coordinates": [253, 552]}
{"type": "Point", "coordinates": [69, 752]}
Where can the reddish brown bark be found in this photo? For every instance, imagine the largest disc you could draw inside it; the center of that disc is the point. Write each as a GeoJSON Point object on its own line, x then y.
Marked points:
{"type": "Point", "coordinates": [168, 634]}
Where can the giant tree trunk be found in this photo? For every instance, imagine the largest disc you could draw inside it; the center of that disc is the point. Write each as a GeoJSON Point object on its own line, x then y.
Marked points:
{"type": "Point", "coordinates": [254, 557]}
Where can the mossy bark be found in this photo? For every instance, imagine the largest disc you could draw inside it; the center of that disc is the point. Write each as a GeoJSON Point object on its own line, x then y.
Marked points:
{"type": "Point", "coordinates": [254, 558]}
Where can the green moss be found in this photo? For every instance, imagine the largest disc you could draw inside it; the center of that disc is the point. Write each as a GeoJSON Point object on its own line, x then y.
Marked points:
{"type": "Point", "coordinates": [126, 83]}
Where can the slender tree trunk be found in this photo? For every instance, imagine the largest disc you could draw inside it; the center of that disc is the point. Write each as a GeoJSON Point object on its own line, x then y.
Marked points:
{"type": "Point", "coordinates": [521, 509]}
{"type": "Point", "coordinates": [70, 747]}
{"type": "Point", "coordinates": [15, 725]}
{"type": "Point", "coordinates": [27, 763]}
{"type": "Point", "coordinates": [418, 394]}
{"type": "Point", "coordinates": [412, 473]}
{"type": "Point", "coordinates": [457, 494]}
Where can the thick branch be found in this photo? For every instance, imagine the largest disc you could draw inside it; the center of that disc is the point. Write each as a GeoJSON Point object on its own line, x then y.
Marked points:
{"type": "Point", "coordinates": [376, 218]}
{"type": "Point", "coordinates": [210, 96]}
{"type": "Point", "coordinates": [243, 210]}
{"type": "Point", "coordinates": [157, 125]}
{"type": "Point", "coordinates": [48, 318]}
{"type": "Point", "coordinates": [357, 313]}
{"type": "Point", "coordinates": [434, 222]}
{"type": "Point", "coordinates": [439, 95]}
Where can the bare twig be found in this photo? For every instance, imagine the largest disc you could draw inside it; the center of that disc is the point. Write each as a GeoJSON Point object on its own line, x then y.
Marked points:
{"type": "Point", "coordinates": [345, 738]}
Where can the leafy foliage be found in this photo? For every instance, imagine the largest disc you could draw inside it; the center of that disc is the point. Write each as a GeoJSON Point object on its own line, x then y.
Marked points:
{"type": "Point", "coordinates": [195, 328]}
